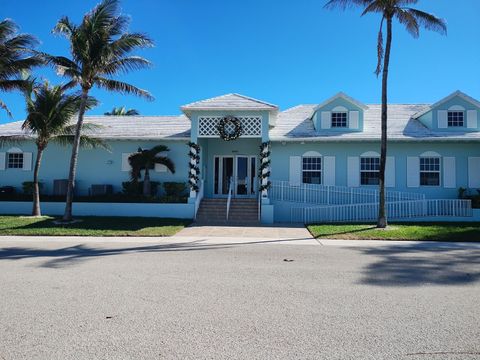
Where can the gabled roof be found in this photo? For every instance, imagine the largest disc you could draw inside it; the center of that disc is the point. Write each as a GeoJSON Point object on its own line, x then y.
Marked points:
{"type": "Point", "coordinates": [444, 100]}
{"type": "Point", "coordinates": [230, 102]}
{"type": "Point", "coordinates": [344, 96]}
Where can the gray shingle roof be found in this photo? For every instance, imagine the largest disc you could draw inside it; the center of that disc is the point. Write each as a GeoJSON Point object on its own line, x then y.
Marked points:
{"type": "Point", "coordinates": [296, 123]}
{"type": "Point", "coordinates": [125, 127]}
{"type": "Point", "coordinates": [292, 124]}
{"type": "Point", "coordinates": [231, 102]}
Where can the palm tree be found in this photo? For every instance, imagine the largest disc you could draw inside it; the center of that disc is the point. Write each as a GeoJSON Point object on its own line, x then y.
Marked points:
{"type": "Point", "coordinates": [412, 19]}
{"type": "Point", "coordinates": [49, 114]}
{"type": "Point", "coordinates": [122, 111]}
{"type": "Point", "coordinates": [16, 58]}
{"type": "Point", "coordinates": [100, 48]}
{"type": "Point", "coordinates": [146, 160]}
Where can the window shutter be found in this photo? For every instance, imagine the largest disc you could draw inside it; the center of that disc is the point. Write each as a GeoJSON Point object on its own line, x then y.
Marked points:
{"type": "Point", "coordinates": [326, 120]}
{"type": "Point", "coordinates": [442, 119]}
{"type": "Point", "coordinates": [2, 160]}
{"type": "Point", "coordinates": [390, 172]}
{"type": "Point", "coordinates": [353, 171]}
{"type": "Point", "coordinates": [160, 168]}
{"type": "Point", "coordinates": [295, 170]}
{"type": "Point", "coordinates": [472, 122]}
{"type": "Point", "coordinates": [413, 171]}
{"type": "Point", "coordinates": [354, 115]}
{"type": "Point", "coordinates": [27, 161]}
{"type": "Point", "coordinates": [125, 164]}
{"type": "Point", "coordinates": [329, 170]}
{"type": "Point", "coordinates": [449, 173]}
{"type": "Point", "coordinates": [474, 172]}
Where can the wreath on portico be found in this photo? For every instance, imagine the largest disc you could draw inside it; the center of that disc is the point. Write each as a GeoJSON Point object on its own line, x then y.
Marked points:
{"type": "Point", "coordinates": [225, 123]}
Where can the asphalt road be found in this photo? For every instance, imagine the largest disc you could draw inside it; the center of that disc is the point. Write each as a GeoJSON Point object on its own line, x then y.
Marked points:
{"type": "Point", "coordinates": [149, 301]}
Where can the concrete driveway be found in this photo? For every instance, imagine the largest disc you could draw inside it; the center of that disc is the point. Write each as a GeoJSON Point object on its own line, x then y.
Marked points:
{"type": "Point", "coordinates": [166, 299]}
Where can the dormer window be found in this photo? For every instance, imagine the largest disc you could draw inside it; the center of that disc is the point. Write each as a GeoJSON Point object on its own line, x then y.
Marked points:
{"type": "Point", "coordinates": [456, 119]}
{"type": "Point", "coordinates": [339, 119]}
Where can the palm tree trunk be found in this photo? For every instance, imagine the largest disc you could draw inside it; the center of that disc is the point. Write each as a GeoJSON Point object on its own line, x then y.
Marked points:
{"type": "Point", "coordinates": [67, 216]}
{"type": "Point", "coordinates": [146, 183]}
{"type": "Point", "coordinates": [382, 216]}
{"type": "Point", "coordinates": [36, 189]}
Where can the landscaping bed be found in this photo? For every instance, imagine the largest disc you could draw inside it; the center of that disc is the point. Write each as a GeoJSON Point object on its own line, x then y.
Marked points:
{"type": "Point", "coordinates": [399, 231]}
{"type": "Point", "coordinates": [91, 226]}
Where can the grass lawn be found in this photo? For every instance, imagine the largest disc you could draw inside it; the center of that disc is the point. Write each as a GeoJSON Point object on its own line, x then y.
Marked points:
{"type": "Point", "coordinates": [91, 226]}
{"type": "Point", "coordinates": [424, 231]}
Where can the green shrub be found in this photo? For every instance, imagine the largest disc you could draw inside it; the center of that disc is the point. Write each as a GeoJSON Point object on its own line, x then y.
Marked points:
{"type": "Point", "coordinates": [174, 189]}
{"type": "Point", "coordinates": [136, 188]}
{"type": "Point", "coordinates": [27, 187]}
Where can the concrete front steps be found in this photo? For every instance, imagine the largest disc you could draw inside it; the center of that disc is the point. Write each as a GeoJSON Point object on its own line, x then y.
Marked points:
{"type": "Point", "coordinates": [214, 212]}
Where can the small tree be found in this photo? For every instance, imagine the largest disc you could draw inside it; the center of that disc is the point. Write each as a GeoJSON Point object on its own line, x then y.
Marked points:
{"type": "Point", "coordinates": [145, 160]}
{"type": "Point", "coordinates": [49, 112]}
{"type": "Point", "coordinates": [412, 19]}
{"type": "Point", "coordinates": [122, 111]}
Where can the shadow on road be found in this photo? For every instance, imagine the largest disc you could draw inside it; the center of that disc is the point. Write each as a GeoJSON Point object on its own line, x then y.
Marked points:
{"type": "Point", "coordinates": [57, 258]}
{"type": "Point", "coordinates": [421, 264]}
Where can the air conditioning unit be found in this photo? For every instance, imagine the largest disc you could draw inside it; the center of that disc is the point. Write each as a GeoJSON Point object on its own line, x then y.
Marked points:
{"type": "Point", "coordinates": [60, 187]}
{"type": "Point", "coordinates": [96, 190]}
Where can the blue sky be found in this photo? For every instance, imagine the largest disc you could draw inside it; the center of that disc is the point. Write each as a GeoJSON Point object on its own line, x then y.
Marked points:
{"type": "Point", "coordinates": [281, 51]}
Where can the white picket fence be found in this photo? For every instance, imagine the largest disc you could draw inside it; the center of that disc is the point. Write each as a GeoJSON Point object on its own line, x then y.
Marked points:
{"type": "Point", "coordinates": [395, 211]}
{"type": "Point", "coordinates": [333, 195]}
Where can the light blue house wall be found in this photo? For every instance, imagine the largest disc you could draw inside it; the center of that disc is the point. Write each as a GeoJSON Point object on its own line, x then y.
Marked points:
{"type": "Point", "coordinates": [281, 153]}
{"type": "Point", "coordinates": [95, 166]}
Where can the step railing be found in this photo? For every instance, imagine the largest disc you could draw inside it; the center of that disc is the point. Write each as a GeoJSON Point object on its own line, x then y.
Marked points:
{"type": "Point", "coordinates": [395, 211]}
{"type": "Point", "coordinates": [229, 199]}
{"type": "Point", "coordinates": [333, 195]}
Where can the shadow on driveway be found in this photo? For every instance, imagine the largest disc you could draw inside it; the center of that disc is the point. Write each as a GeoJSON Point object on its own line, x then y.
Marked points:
{"type": "Point", "coordinates": [421, 264]}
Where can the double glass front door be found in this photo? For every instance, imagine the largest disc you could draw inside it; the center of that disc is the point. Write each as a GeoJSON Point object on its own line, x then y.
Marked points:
{"type": "Point", "coordinates": [241, 170]}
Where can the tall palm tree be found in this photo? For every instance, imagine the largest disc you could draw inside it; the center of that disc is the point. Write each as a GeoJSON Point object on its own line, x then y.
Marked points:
{"type": "Point", "coordinates": [100, 48]}
{"type": "Point", "coordinates": [413, 20]}
{"type": "Point", "coordinates": [49, 114]}
{"type": "Point", "coordinates": [146, 160]}
{"type": "Point", "coordinates": [16, 58]}
{"type": "Point", "coordinates": [122, 111]}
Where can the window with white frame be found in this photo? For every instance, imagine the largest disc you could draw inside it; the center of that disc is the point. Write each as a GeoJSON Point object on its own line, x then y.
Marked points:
{"type": "Point", "coordinates": [15, 160]}
{"type": "Point", "coordinates": [430, 171]}
{"type": "Point", "coordinates": [456, 119]}
{"type": "Point", "coordinates": [312, 170]}
{"type": "Point", "coordinates": [339, 119]}
{"type": "Point", "coordinates": [369, 170]}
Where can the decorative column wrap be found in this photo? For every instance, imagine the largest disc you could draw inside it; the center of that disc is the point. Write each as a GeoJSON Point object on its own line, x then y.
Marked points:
{"type": "Point", "coordinates": [265, 168]}
{"type": "Point", "coordinates": [194, 169]}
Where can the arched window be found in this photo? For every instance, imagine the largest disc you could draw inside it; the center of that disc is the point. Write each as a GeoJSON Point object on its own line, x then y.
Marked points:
{"type": "Point", "coordinates": [312, 168]}
{"type": "Point", "coordinates": [339, 117]}
{"type": "Point", "coordinates": [430, 169]}
{"type": "Point", "coordinates": [369, 168]}
{"type": "Point", "coordinates": [456, 116]}
{"type": "Point", "coordinates": [14, 158]}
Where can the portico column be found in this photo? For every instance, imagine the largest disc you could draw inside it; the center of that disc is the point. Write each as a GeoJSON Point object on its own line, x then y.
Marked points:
{"type": "Point", "coordinates": [194, 169]}
{"type": "Point", "coordinates": [265, 168]}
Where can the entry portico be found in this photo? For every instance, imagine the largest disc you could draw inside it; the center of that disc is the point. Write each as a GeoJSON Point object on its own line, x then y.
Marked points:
{"type": "Point", "coordinates": [223, 163]}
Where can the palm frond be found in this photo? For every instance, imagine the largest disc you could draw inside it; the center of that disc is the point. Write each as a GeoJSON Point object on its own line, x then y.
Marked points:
{"type": "Point", "coordinates": [344, 4]}
{"type": "Point", "coordinates": [122, 87]}
{"type": "Point", "coordinates": [125, 65]}
{"type": "Point", "coordinates": [408, 20]}
{"type": "Point", "coordinates": [5, 108]}
{"type": "Point", "coordinates": [163, 160]}
{"type": "Point", "coordinates": [428, 21]}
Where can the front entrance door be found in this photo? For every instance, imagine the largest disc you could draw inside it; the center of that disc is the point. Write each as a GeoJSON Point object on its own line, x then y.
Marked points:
{"type": "Point", "coordinates": [242, 169]}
